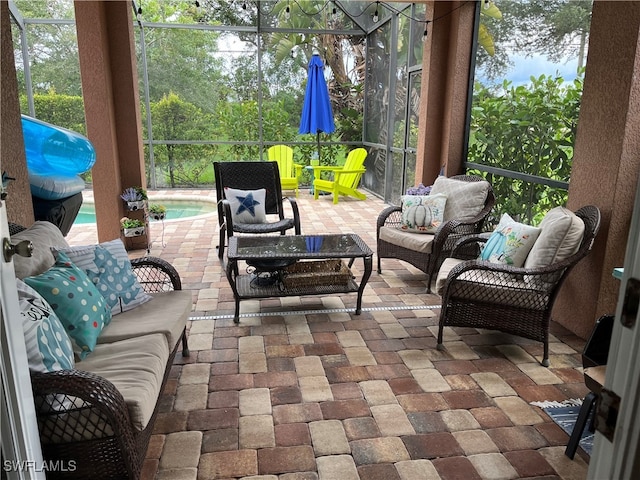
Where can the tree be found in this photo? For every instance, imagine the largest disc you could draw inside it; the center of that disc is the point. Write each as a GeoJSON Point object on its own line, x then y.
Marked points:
{"type": "Point", "coordinates": [556, 28]}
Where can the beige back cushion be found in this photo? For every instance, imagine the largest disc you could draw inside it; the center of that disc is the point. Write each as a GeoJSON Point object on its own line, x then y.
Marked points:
{"type": "Point", "coordinates": [43, 235]}
{"type": "Point", "coordinates": [561, 235]}
{"type": "Point", "coordinates": [465, 200]}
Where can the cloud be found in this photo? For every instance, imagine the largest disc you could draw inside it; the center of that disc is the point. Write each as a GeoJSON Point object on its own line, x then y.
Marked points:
{"type": "Point", "coordinates": [525, 67]}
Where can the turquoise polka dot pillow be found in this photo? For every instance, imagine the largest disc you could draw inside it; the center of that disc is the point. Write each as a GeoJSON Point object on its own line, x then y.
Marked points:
{"type": "Point", "coordinates": [48, 346]}
{"type": "Point", "coordinates": [109, 268]}
{"type": "Point", "coordinates": [76, 301]}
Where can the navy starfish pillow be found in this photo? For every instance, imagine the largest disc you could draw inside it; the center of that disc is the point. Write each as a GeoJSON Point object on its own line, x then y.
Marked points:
{"type": "Point", "coordinates": [247, 206]}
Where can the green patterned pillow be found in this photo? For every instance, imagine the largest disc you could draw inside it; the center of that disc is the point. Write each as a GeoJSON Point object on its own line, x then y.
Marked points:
{"type": "Point", "coordinates": [76, 301]}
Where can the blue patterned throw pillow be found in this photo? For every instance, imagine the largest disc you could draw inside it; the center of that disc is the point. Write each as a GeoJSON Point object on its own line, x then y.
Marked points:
{"type": "Point", "coordinates": [510, 242]}
{"type": "Point", "coordinates": [247, 206]}
{"type": "Point", "coordinates": [109, 268]}
{"type": "Point", "coordinates": [76, 301]}
{"type": "Point", "coordinates": [48, 346]}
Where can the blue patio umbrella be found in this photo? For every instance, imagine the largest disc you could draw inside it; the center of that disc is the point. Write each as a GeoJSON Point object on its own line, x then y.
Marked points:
{"type": "Point", "coordinates": [317, 115]}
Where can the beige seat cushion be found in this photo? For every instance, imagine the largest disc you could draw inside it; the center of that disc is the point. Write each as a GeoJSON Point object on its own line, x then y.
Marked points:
{"type": "Point", "coordinates": [43, 235]}
{"type": "Point", "coordinates": [560, 237]}
{"type": "Point", "coordinates": [167, 313]}
{"type": "Point", "coordinates": [136, 368]}
{"type": "Point", "coordinates": [443, 273]}
{"type": "Point", "coordinates": [465, 200]}
{"type": "Point", "coordinates": [419, 242]}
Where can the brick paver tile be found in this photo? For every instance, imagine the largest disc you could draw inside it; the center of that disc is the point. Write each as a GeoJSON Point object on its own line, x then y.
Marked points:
{"type": "Point", "coordinates": [392, 420]}
{"type": "Point", "coordinates": [329, 438]}
{"type": "Point", "coordinates": [171, 422]}
{"type": "Point", "coordinates": [360, 356]}
{"type": "Point", "coordinates": [430, 380]}
{"type": "Point", "coordinates": [414, 469]}
{"type": "Point", "coordinates": [177, 474]}
{"type": "Point", "coordinates": [427, 422]}
{"type": "Point", "coordinates": [296, 413]}
{"type": "Point", "coordinates": [542, 393]}
{"type": "Point", "coordinates": [275, 379]}
{"type": "Point", "coordinates": [432, 445]}
{"type": "Point", "coordinates": [284, 395]}
{"type": "Point", "coordinates": [342, 409]}
{"type": "Point", "coordinates": [456, 468]}
{"type": "Point", "coordinates": [467, 399]}
{"type": "Point", "coordinates": [213, 418]}
{"type": "Point", "coordinates": [181, 450]}
{"type": "Point", "coordinates": [379, 450]}
{"type": "Point", "coordinates": [347, 374]}
{"type": "Point", "coordinates": [415, 359]}
{"type": "Point", "coordinates": [493, 384]}
{"type": "Point", "coordinates": [346, 391]}
{"type": "Point", "coordinates": [378, 392]}
{"type": "Point", "coordinates": [254, 401]}
{"type": "Point", "coordinates": [337, 467]}
{"type": "Point", "coordinates": [200, 341]}
{"type": "Point", "coordinates": [286, 459]}
{"type": "Point", "coordinates": [220, 440]}
{"type": "Point", "coordinates": [230, 464]}
{"type": "Point", "coordinates": [518, 411]}
{"type": "Point", "coordinates": [458, 420]}
{"type": "Point", "coordinates": [350, 338]}
{"type": "Point", "coordinates": [359, 428]}
{"type": "Point", "coordinates": [291, 434]}
{"type": "Point", "coordinates": [394, 330]}
{"type": "Point", "coordinates": [475, 441]}
{"type": "Point", "coordinates": [529, 463]}
{"type": "Point", "coordinates": [515, 354]}
{"type": "Point", "coordinates": [195, 373]}
{"type": "Point", "coordinates": [253, 362]}
{"type": "Point", "coordinates": [404, 385]}
{"type": "Point", "coordinates": [493, 466]}
{"type": "Point", "coordinates": [517, 438]}
{"type": "Point", "coordinates": [567, 469]}
{"type": "Point", "coordinates": [256, 431]}
{"type": "Point", "coordinates": [191, 397]}
{"type": "Point", "coordinates": [253, 344]}
{"type": "Point", "coordinates": [225, 399]}
{"type": "Point", "coordinates": [315, 389]}
{"type": "Point", "coordinates": [539, 374]}
{"type": "Point", "coordinates": [381, 471]}
{"type": "Point", "coordinates": [491, 417]}
{"type": "Point", "coordinates": [231, 382]}
{"type": "Point", "coordinates": [309, 366]}
{"type": "Point", "coordinates": [461, 382]}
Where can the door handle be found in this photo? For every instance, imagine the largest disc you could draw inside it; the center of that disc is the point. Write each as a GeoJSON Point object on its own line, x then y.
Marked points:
{"type": "Point", "coordinates": [23, 248]}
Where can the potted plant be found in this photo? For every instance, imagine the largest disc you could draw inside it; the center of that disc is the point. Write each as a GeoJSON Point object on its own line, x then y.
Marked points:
{"type": "Point", "coordinates": [135, 197]}
{"type": "Point", "coordinates": [157, 211]}
{"type": "Point", "coordinates": [132, 227]}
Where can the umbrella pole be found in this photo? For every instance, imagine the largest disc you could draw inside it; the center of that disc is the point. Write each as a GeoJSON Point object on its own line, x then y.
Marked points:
{"type": "Point", "coordinates": [318, 140]}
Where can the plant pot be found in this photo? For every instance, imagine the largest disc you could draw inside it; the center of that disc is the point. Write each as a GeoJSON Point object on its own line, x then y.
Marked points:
{"type": "Point", "coordinates": [133, 232]}
{"type": "Point", "coordinates": [157, 216]}
{"type": "Point", "coordinates": [133, 206]}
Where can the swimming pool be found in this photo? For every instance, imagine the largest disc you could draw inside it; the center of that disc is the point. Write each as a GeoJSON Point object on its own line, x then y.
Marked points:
{"type": "Point", "coordinates": [176, 209]}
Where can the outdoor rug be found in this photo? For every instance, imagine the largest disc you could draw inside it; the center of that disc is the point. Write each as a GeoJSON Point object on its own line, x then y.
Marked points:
{"type": "Point", "coordinates": [565, 414]}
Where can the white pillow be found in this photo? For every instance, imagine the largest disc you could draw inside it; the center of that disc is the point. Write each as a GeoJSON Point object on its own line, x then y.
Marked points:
{"type": "Point", "coordinates": [48, 346]}
{"type": "Point", "coordinates": [465, 200]}
{"type": "Point", "coordinates": [562, 232]}
{"type": "Point", "coordinates": [422, 213]}
{"type": "Point", "coordinates": [43, 235]}
{"type": "Point", "coordinates": [510, 242]}
{"type": "Point", "coordinates": [247, 206]}
{"type": "Point", "coordinates": [108, 266]}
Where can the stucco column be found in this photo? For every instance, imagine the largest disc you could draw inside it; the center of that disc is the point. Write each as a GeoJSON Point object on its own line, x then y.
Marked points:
{"type": "Point", "coordinates": [12, 155]}
{"type": "Point", "coordinates": [445, 82]}
{"type": "Point", "coordinates": [606, 160]}
{"type": "Point", "coordinates": [112, 105]}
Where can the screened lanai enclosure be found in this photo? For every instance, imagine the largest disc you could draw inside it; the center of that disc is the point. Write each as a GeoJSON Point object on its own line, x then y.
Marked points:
{"type": "Point", "coordinates": [225, 80]}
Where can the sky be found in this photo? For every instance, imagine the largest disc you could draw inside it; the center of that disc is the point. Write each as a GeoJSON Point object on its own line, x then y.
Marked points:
{"type": "Point", "coordinates": [525, 67]}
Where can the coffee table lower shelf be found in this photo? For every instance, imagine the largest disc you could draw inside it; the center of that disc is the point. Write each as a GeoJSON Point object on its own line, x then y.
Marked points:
{"type": "Point", "coordinates": [244, 291]}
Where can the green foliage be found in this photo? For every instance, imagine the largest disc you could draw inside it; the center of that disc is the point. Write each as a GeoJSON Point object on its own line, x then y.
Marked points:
{"type": "Point", "coordinates": [527, 129]}
{"type": "Point", "coordinates": [65, 111]}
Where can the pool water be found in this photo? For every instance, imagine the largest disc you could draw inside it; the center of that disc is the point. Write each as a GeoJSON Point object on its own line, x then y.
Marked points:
{"type": "Point", "coordinates": [175, 210]}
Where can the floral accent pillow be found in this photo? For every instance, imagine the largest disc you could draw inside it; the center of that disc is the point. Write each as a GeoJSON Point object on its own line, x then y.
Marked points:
{"type": "Point", "coordinates": [422, 213]}
{"type": "Point", "coordinates": [109, 268]}
{"type": "Point", "coordinates": [48, 346]}
{"type": "Point", "coordinates": [247, 206]}
{"type": "Point", "coordinates": [76, 301]}
{"type": "Point", "coordinates": [510, 242]}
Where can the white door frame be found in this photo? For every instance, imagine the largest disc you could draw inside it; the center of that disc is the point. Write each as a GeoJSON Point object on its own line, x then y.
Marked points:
{"type": "Point", "coordinates": [21, 452]}
{"type": "Point", "coordinates": [620, 459]}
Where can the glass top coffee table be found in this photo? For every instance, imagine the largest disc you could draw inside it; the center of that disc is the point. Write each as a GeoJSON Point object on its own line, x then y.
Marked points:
{"type": "Point", "coordinates": [290, 265]}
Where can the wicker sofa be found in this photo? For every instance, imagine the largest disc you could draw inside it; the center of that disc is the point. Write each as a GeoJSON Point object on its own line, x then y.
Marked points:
{"type": "Point", "coordinates": [99, 416]}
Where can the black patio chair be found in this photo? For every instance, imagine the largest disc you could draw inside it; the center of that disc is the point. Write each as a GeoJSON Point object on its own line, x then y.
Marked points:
{"type": "Point", "coordinates": [251, 177]}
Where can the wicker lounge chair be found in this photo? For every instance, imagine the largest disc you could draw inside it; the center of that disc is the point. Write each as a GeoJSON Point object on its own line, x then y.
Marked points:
{"type": "Point", "coordinates": [518, 301]}
{"type": "Point", "coordinates": [427, 251]}
{"type": "Point", "coordinates": [252, 176]}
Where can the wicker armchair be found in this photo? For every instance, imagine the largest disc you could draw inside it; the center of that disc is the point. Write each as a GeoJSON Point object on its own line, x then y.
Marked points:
{"type": "Point", "coordinates": [428, 257]}
{"type": "Point", "coordinates": [83, 419]}
{"type": "Point", "coordinates": [518, 301]}
{"type": "Point", "coordinates": [252, 176]}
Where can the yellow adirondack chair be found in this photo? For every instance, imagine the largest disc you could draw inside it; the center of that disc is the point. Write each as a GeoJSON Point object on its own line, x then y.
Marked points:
{"type": "Point", "coordinates": [345, 179]}
{"type": "Point", "coordinates": [289, 171]}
